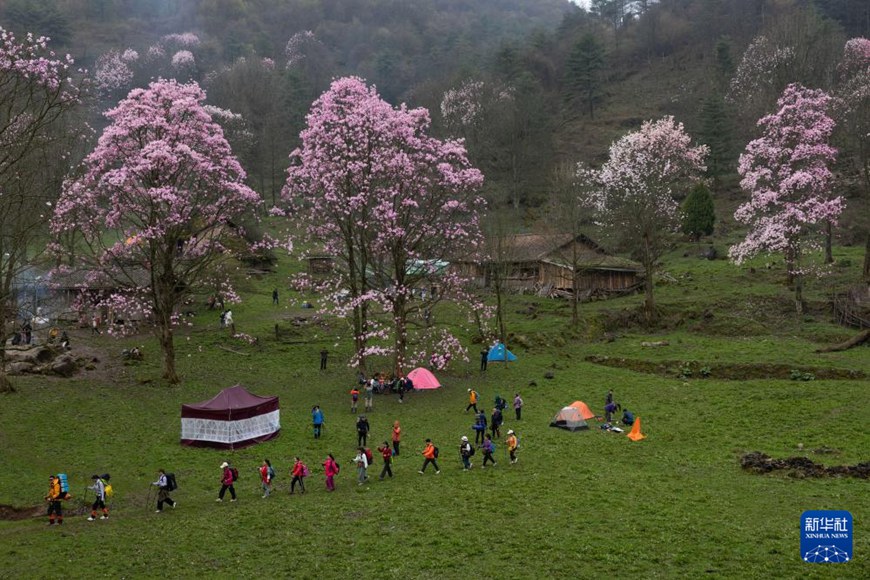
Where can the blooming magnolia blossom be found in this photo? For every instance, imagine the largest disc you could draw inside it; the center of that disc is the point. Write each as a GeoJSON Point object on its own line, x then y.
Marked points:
{"type": "Point", "coordinates": [297, 47]}
{"type": "Point", "coordinates": [113, 72]}
{"type": "Point", "coordinates": [183, 60]}
{"type": "Point", "coordinates": [758, 68]}
{"type": "Point", "coordinates": [183, 40]}
{"type": "Point", "coordinates": [375, 190]}
{"type": "Point", "coordinates": [154, 202]}
{"type": "Point", "coordinates": [635, 192]}
{"type": "Point", "coordinates": [786, 172]}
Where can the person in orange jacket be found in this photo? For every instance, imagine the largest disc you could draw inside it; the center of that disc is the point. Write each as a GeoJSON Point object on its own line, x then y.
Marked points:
{"type": "Point", "coordinates": [512, 445]}
{"type": "Point", "coordinates": [472, 401]}
{"type": "Point", "coordinates": [431, 454]}
{"type": "Point", "coordinates": [54, 498]}
{"type": "Point", "coordinates": [397, 438]}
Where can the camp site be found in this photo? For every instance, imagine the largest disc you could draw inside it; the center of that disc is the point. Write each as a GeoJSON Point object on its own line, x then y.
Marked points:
{"type": "Point", "coordinates": [418, 289]}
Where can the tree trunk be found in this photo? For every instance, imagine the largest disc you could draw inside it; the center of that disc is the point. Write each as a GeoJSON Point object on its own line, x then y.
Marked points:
{"type": "Point", "coordinates": [829, 256]}
{"type": "Point", "coordinates": [167, 346]}
{"type": "Point", "coordinates": [401, 339]}
{"type": "Point", "coordinates": [866, 271]}
{"type": "Point", "coordinates": [799, 293]}
{"type": "Point", "coordinates": [5, 383]}
{"type": "Point", "coordinates": [648, 266]}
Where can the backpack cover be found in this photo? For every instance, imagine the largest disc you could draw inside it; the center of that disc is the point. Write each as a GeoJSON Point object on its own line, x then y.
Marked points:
{"type": "Point", "coordinates": [305, 472]}
{"type": "Point", "coordinates": [64, 483]}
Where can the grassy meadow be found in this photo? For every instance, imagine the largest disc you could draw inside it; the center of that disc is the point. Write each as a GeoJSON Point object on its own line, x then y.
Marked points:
{"type": "Point", "coordinates": [581, 504]}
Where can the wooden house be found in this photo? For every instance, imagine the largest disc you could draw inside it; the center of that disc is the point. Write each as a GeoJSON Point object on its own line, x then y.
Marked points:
{"type": "Point", "coordinates": [539, 262]}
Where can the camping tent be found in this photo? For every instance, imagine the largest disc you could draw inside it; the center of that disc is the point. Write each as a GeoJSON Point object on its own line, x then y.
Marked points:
{"type": "Point", "coordinates": [499, 353]}
{"type": "Point", "coordinates": [423, 379]}
{"type": "Point", "coordinates": [233, 419]}
{"type": "Point", "coordinates": [584, 410]}
{"type": "Point", "coordinates": [573, 417]}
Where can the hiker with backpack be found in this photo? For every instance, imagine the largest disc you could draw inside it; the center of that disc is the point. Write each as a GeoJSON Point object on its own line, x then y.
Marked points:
{"type": "Point", "coordinates": [430, 454]}
{"type": "Point", "coordinates": [330, 469]}
{"type": "Point", "coordinates": [299, 472]}
{"type": "Point", "coordinates": [54, 497]}
{"type": "Point", "coordinates": [99, 489]}
{"type": "Point", "coordinates": [362, 465]}
{"type": "Point", "coordinates": [397, 437]}
{"type": "Point", "coordinates": [354, 399]}
{"type": "Point", "coordinates": [465, 453]}
{"type": "Point", "coordinates": [518, 406]}
{"type": "Point", "coordinates": [267, 474]}
{"type": "Point", "coordinates": [479, 427]}
{"type": "Point", "coordinates": [228, 478]}
{"type": "Point", "coordinates": [387, 454]}
{"type": "Point", "coordinates": [488, 448]}
{"type": "Point", "coordinates": [362, 430]}
{"type": "Point", "coordinates": [495, 422]}
{"type": "Point", "coordinates": [164, 484]}
{"type": "Point", "coordinates": [512, 445]}
{"type": "Point", "coordinates": [317, 420]}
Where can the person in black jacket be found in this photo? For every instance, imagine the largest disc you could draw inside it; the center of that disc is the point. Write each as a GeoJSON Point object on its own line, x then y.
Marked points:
{"type": "Point", "coordinates": [362, 430]}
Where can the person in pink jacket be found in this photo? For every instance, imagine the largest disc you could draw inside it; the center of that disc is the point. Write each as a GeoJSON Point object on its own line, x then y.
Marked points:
{"type": "Point", "coordinates": [330, 468]}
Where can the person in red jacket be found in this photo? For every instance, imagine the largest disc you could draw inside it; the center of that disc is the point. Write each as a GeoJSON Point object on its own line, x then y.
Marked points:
{"type": "Point", "coordinates": [298, 473]}
{"type": "Point", "coordinates": [227, 480]}
{"type": "Point", "coordinates": [330, 469]}
{"type": "Point", "coordinates": [430, 454]}
{"type": "Point", "coordinates": [387, 454]}
{"type": "Point", "coordinates": [266, 473]}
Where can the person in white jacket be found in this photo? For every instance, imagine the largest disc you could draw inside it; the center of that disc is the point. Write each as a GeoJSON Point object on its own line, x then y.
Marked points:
{"type": "Point", "coordinates": [362, 465]}
{"type": "Point", "coordinates": [162, 484]}
{"type": "Point", "coordinates": [99, 489]}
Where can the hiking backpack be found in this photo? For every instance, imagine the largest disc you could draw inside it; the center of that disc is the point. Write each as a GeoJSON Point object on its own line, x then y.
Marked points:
{"type": "Point", "coordinates": [107, 487]}
{"type": "Point", "coordinates": [305, 472]}
{"type": "Point", "coordinates": [64, 483]}
{"type": "Point", "coordinates": [369, 456]}
{"type": "Point", "coordinates": [435, 454]}
{"type": "Point", "coordinates": [235, 473]}
{"type": "Point", "coordinates": [471, 450]}
{"type": "Point", "coordinates": [271, 473]}
{"type": "Point", "coordinates": [171, 484]}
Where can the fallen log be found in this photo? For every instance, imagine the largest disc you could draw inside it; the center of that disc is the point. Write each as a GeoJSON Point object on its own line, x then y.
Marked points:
{"type": "Point", "coordinates": [861, 338]}
{"type": "Point", "coordinates": [233, 351]}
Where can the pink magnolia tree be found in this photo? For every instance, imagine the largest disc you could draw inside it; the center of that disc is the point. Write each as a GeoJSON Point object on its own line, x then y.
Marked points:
{"type": "Point", "coordinates": [786, 173]}
{"type": "Point", "coordinates": [393, 204]}
{"type": "Point", "coordinates": [38, 103]}
{"type": "Point", "coordinates": [153, 206]}
{"type": "Point", "coordinates": [635, 193]}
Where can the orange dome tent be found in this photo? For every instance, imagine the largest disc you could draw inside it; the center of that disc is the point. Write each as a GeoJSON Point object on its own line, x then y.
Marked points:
{"type": "Point", "coordinates": [584, 410]}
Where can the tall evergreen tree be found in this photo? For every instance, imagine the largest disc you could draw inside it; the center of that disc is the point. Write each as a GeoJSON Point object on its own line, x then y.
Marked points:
{"type": "Point", "coordinates": [583, 73]}
{"type": "Point", "coordinates": [717, 134]}
{"type": "Point", "coordinates": [699, 214]}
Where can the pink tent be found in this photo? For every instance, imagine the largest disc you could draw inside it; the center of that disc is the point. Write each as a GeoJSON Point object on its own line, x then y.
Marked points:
{"type": "Point", "coordinates": [423, 379]}
{"type": "Point", "coordinates": [233, 419]}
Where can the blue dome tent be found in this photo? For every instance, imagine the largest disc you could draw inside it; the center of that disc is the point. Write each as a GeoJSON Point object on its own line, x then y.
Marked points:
{"type": "Point", "coordinates": [499, 353]}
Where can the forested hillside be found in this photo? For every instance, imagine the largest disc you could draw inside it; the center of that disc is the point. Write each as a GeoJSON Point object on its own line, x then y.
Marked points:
{"type": "Point", "coordinates": [529, 84]}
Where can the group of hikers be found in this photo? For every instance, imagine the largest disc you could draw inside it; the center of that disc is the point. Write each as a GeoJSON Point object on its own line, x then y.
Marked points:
{"type": "Point", "coordinates": [58, 491]}
{"type": "Point", "coordinates": [378, 384]}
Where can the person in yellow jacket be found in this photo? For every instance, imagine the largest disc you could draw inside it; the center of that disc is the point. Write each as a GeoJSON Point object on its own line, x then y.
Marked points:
{"type": "Point", "coordinates": [54, 498]}
{"type": "Point", "coordinates": [472, 401]}
{"type": "Point", "coordinates": [512, 445]}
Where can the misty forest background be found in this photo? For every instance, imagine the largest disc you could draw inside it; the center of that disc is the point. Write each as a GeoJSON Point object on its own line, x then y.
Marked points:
{"type": "Point", "coordinates": [579, 79]}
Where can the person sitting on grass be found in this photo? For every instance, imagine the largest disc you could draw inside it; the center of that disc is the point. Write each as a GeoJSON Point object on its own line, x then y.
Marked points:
{"type": "Point", "coordinates": [627, 417]}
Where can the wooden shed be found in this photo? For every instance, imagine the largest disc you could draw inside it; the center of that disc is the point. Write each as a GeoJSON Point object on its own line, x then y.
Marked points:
{"type": "Point", "coordinates": [533, 262]}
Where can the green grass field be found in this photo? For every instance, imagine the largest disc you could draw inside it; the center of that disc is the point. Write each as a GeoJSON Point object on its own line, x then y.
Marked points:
{"type": "Point", "coordinates": [579, 504]}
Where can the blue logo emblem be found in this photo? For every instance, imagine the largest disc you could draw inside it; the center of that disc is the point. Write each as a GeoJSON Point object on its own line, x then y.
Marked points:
{"type": "Point", "coordinates": [826, 536]}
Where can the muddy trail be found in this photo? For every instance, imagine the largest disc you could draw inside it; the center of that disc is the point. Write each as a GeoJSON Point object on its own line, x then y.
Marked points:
{"type": "Point", "coordinates": [800, 467]}
{"type": "Point", "coordinates": [726, 371]}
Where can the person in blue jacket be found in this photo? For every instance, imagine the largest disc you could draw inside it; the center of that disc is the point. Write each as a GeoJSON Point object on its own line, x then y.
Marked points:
{"type": "Point", "coordinates": [479, 427]}
{"type": "Point", "coordinates": [627, 417]}
{"type": "Point", "coordinates": [317, 420]}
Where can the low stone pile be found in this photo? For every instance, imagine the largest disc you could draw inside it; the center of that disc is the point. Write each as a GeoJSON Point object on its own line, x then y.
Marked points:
{"type": "Point", "coordinates": [760, 463]}
{"type": "Point", "coordinates": [42, 360]}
